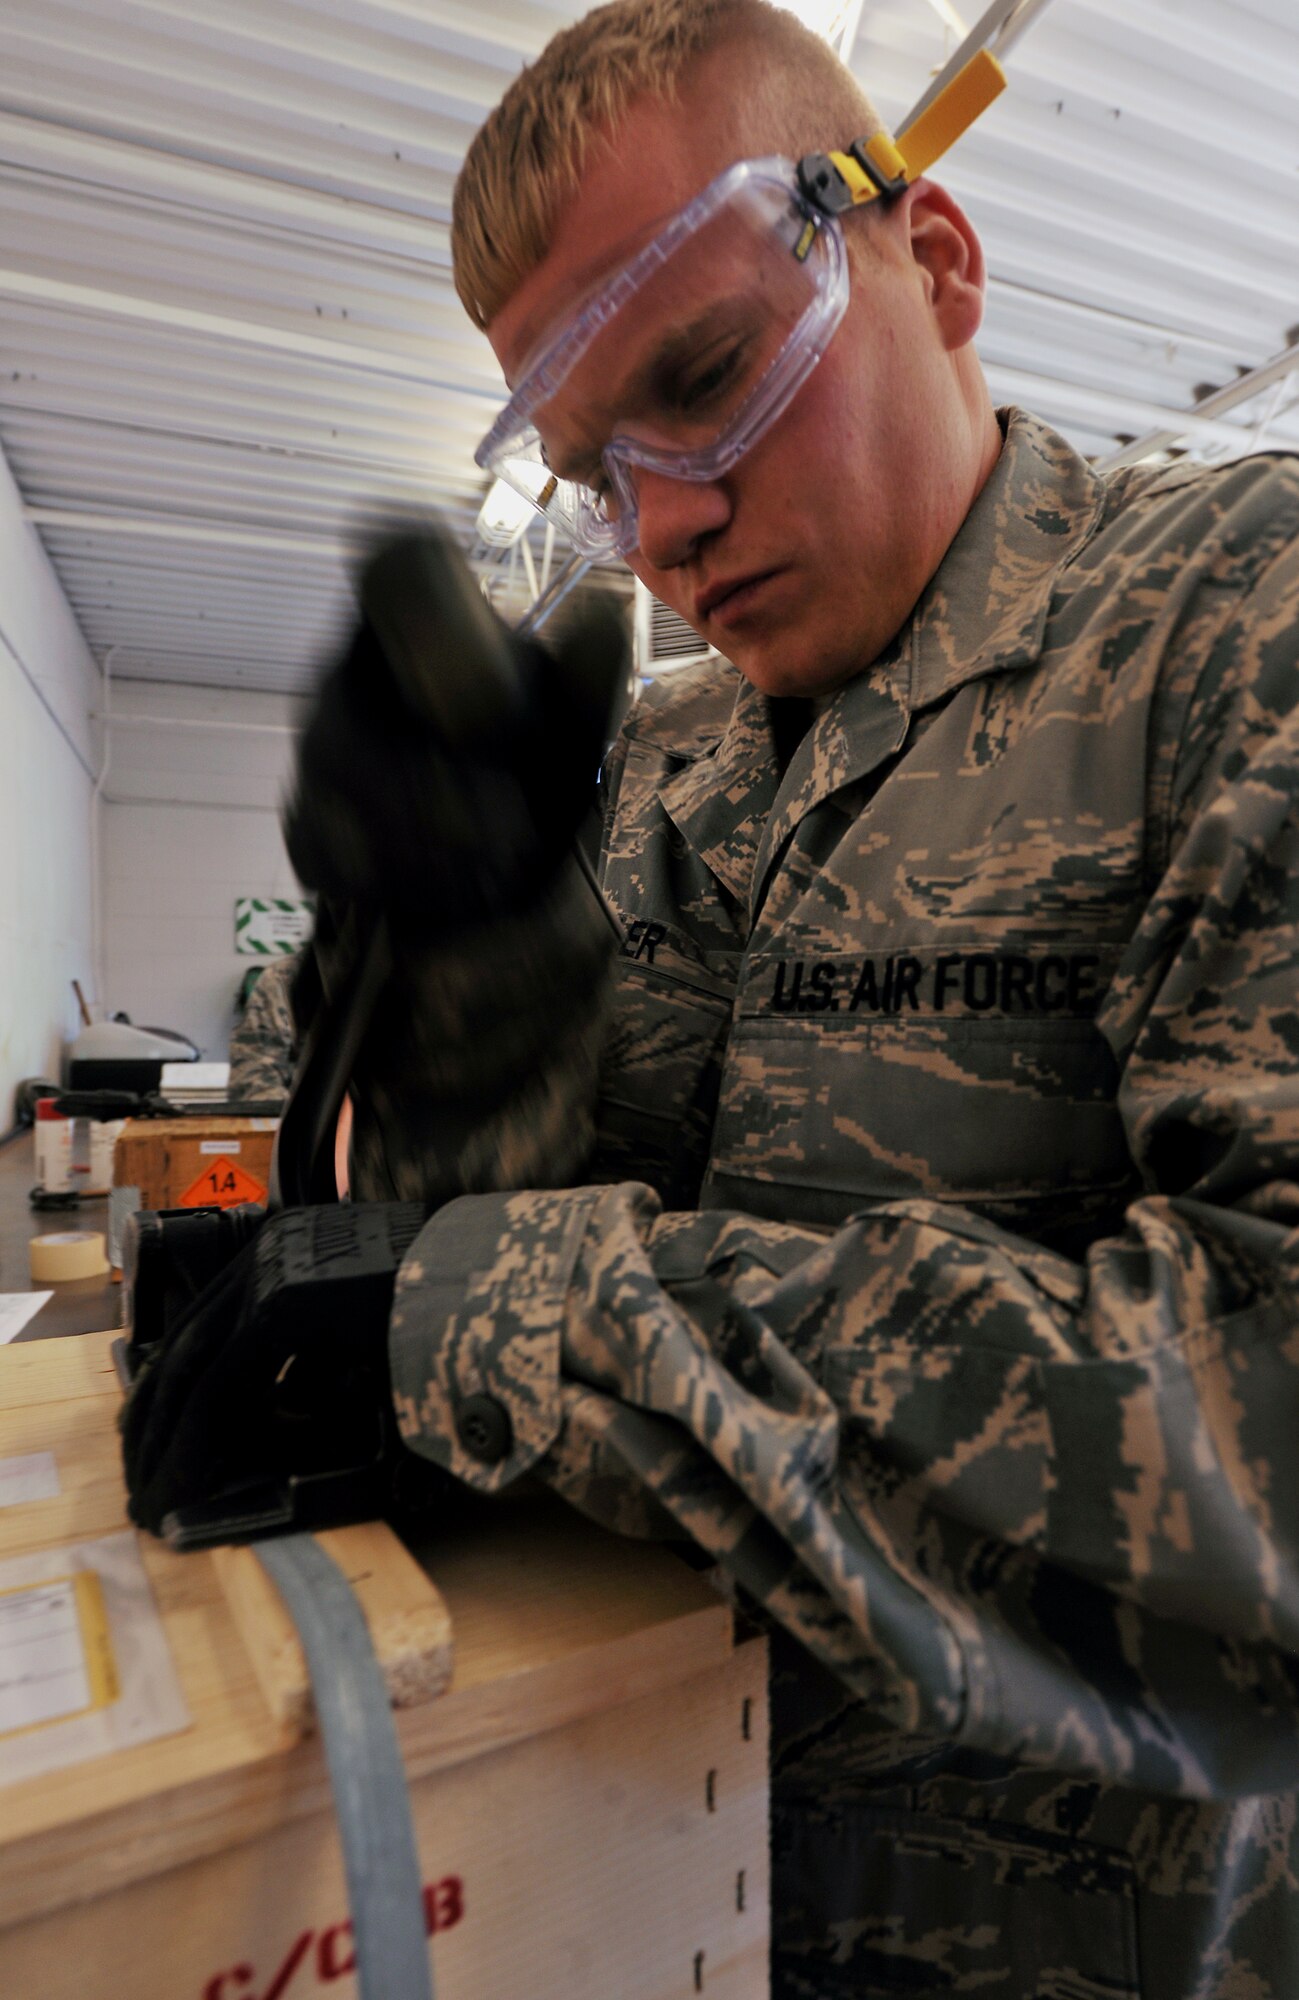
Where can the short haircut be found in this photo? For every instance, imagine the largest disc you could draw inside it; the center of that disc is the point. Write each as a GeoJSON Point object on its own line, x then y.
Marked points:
{"type": "Point", "coordinates": [526, 161]}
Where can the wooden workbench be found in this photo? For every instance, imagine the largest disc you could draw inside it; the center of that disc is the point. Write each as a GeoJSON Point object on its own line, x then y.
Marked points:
{"type": "Point", "coordinates": [589, 1792]}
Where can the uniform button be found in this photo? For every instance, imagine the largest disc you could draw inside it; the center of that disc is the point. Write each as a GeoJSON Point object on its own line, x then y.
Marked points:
{"type": "Point", "coordinates": [484, 1429]}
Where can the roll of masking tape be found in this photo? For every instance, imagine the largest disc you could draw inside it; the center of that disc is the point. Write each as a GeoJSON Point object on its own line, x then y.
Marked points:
{"type": "Point", "coordinates": [69, 1253]}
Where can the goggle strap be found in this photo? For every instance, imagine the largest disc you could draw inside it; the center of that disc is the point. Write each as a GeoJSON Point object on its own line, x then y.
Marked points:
{"type": "Point", "coordinates": [952, 112]}
{"type": "Point", "coordinates": [883, 166]}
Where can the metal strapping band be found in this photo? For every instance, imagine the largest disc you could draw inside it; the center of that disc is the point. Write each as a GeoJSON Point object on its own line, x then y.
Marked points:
{"type": "Point", "coordinates": [365, 1768]}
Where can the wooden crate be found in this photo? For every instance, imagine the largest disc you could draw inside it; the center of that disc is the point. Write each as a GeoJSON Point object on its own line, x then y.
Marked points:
{"type": "Point", "coordinates": [589, 1792]}
{"type": "Point", "coordinates": [191, 1162]}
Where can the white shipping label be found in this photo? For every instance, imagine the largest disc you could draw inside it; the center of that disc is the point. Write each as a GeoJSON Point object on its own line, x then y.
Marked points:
{"type": "Point", "coordinates": [85, 1667]}
{"type": "Point", "coordinates": [32, 1476]}
{"type": "Point", "coordinates": [219, 1145]}
{"type": "Point", "coordinates": [43, 1673]}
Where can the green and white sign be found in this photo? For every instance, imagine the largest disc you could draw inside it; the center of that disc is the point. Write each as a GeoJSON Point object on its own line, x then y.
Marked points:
{"type": "Point", "coordinates": [271, 926]}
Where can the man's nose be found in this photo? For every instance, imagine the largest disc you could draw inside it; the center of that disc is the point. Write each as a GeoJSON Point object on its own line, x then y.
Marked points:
{"type": "Point", "coordinates": [674, 515]}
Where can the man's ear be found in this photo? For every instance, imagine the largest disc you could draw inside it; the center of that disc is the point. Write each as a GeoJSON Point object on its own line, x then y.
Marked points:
{"type": "Point", "coordinates": [950, 258]}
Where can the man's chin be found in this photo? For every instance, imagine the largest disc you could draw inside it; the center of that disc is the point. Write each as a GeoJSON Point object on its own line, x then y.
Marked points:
{"type": "Point", "coordinates": [785, 672]}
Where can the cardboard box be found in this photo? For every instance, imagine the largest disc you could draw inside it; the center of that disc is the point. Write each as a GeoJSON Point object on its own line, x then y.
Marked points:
{"type": "Point", "coordinates": [589, 1792]}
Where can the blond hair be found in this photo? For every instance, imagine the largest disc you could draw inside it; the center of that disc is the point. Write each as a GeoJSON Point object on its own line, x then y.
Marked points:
{"type": "Point", "coordinates": [527, 160]}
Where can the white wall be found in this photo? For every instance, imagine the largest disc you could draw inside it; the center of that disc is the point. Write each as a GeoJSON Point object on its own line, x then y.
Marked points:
{"type": "Point", "coordinates": [192, 823]}
{"type": "Point", "coordinates": [49, 685]}
{"type": "Point", "coordinates": [189, 821]}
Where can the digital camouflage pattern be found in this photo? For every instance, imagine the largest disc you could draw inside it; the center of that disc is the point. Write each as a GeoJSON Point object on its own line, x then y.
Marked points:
{"type": "Point", "coordinates": [943, 1282]}
{"type": "Point", "coordinates": [264, 1044]}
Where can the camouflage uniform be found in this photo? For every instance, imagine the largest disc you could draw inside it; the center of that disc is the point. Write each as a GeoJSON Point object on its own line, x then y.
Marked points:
{"type": "Point", "coordinates": [264, 1046]}
{"type": "Point", "coordinates": [945, 1284]}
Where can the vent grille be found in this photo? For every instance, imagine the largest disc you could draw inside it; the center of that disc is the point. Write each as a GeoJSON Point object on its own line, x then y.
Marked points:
{"type": "Point", "coordinates": [663, 638]}
{"type": "Point", "coordinates": [670, 636]}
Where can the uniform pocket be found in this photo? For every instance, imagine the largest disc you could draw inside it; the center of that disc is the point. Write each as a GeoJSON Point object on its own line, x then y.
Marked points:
{"type": "Point", "coordinates": [659, 1080]}
{"type": "Point", "coordinates": [1014, 1117]}
{"type": "Point", "coordinates": [871, 1904]}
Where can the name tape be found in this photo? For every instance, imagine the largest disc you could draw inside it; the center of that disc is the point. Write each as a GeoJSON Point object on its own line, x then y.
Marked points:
{"type": "Point", "coordinates": [974, 984]}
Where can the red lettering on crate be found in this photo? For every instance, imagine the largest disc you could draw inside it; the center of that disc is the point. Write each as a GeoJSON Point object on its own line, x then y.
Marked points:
{"type": "Point", "coordinates": [241, 1975]}
{"type": "Point", "coordinates": [297, 1952]}
{"type": "Point", "coordinates": [444, 1903]}
{"type": "Point", "coordinates": [335, 1956]}
{"type": "Point", "coordinates": [328, 1962]}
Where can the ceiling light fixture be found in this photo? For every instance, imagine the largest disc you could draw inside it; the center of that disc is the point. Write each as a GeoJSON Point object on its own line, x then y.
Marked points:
{"type": "Point", "coordinates": [504, 515]}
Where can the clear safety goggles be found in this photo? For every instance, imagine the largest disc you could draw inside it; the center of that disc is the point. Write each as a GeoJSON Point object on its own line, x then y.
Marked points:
{"type": "Point", "coordinates": [687, 355]}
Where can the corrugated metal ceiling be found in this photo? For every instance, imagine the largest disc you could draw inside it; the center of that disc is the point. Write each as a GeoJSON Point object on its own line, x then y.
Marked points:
{"type": "Point", "coordinates": [229, 340]}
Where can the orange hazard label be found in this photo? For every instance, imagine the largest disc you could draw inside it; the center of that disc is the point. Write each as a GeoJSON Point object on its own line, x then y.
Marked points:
{"type": "Point", "coordinates": [223, 1183]}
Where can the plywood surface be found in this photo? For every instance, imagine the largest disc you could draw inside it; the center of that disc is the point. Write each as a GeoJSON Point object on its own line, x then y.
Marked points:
{"type": "Point", "coordinates": [622, 1857]}
{"type": "Point", "coordinates": [408, 1619]}
{"type": "Point", "coordinates": [552, 1620]}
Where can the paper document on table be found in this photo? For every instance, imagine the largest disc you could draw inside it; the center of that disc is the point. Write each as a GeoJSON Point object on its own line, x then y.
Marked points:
{"type": "Point", "coordinates": [16, 1308]}
{"type": "Point", "coordinates": [195, 1079]}
{"type": "Point", "coordinates": [84, 1662]}
{"type": "Point", "coordinates": [33, 1475]}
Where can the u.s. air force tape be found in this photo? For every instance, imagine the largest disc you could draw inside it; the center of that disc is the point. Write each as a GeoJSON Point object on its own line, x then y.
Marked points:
{"type": "Point", "coordinates": [1043, 982]}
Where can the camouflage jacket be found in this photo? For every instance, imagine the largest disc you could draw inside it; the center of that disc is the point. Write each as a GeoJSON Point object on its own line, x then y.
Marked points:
{"type": "Point", "coordinates": [944, 1280]}
{"type": "Point", "coordinates": [264, 1045]}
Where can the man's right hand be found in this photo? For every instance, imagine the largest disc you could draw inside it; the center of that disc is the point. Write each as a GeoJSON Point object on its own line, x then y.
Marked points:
{"type": "Point", "coordinates": [447, 763]}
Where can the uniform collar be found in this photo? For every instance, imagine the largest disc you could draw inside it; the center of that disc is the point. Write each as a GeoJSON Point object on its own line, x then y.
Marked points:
{"type": "Point", "coordinates": [722, 800]}
{"type": "Point", "coordinates": [985, 609]}
{"type": "Point", "coordinates": [864, 724]}
{"type": "Point", "coordinates": [736, 810]}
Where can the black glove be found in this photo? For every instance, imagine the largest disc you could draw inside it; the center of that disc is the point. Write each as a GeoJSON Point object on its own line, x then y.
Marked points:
{"type": "Point", "coordinates": [447, 762]}
{"type": "Point", "coordinates": [278, 1369]}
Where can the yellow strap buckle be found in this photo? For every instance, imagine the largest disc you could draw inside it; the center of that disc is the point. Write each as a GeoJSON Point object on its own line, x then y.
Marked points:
{"type": "Point", "coordinates": [883, 166]}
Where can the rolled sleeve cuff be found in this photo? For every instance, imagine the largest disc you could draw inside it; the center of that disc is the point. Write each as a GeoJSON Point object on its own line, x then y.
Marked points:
{"type": "Point", "coordinates": [474, 1336]}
